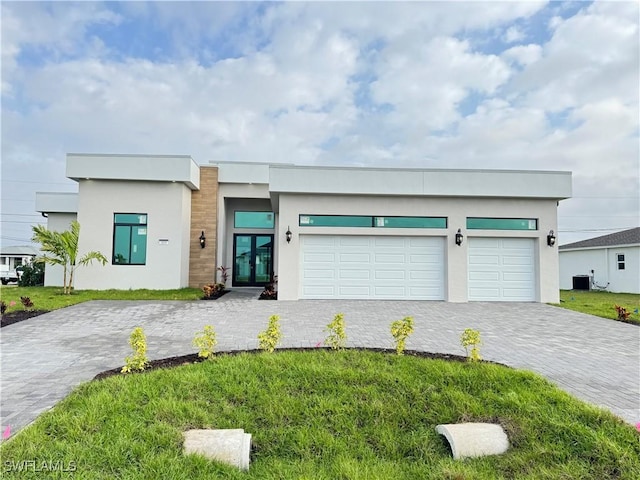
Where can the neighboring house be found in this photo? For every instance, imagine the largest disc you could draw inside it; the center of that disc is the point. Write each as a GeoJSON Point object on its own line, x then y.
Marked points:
{"type": "Point", "coordinates": [611, 261]}
{"type": "Point", "coordinates": [12, 258]}
{"type": "Point", "coordinates": [326, 232]}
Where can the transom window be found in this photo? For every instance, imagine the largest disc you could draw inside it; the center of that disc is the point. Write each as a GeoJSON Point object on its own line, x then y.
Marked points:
{"type": "Point", "coordinates": [620, 261]}
{"type": "Point", "coordinates": [371, 221]}
{"type": "Point", "coordinates": [129, 239]}
{"type": "Point", "coordinates": [253, 219]}
{"type": "Point", "coordinates": [476, 223]}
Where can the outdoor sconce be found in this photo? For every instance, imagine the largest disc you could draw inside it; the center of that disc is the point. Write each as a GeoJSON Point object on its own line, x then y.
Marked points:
{"type": "Point", "coordinates": [459, 237]}
{"type": "Point", "coordinates": [288, 235]}
{"type": "Point", "coordinates": [202, 239]}
{"type": "Point", "coordinates": [551, 239]}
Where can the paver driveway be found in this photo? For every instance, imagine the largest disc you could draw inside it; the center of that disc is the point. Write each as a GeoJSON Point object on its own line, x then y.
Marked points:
{"type": "Point", "coordinates": [44, 358]}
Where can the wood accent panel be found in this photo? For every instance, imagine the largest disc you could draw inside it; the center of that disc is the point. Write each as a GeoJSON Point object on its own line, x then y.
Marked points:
{"type": "Point", "coordinates": [204, 217]}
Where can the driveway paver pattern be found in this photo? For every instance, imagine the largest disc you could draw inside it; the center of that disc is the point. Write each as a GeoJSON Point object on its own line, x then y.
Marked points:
{"type": "Point", "coordinates": [45, 358]}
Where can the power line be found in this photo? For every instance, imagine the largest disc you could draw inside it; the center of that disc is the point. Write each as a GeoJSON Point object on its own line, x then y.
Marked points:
{"type": "Point", "coordinates": [596, 229]}
{"type": "Point", "coordinates": [18, 221]}
{"type": "Point", "coordinates": [29, 181]}
{"type": "Point", "coordinates": [21, 214]}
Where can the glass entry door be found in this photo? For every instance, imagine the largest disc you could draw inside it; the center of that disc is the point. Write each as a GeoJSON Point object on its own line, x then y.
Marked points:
{"type": "Point", "coordinates": [253, 260]}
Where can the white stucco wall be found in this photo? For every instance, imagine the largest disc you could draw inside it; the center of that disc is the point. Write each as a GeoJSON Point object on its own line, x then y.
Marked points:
{"type": "Point", "coordinates": [58, 222]}
{"type": "Point", "coordinates": [168, 209]}
{"type": "Point", "coordinates": [456, 209]}
{"type": "Point", "coordinates": [603, 261]}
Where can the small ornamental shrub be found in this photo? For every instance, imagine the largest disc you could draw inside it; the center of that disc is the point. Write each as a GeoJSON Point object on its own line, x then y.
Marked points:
{"type": "Point", "coordinates": [224, 274]}
{"type": "Point", "coordinates": [213, 290]}
{"type": "Point", "coordinates": [138, 361]}
{"type": "Point", "coordinates": [400, 331]}
{"type": "Point", "coordinates": [270, 338]}
{"type": "Point", "coordinates": [337, 336]}
{"type": "Point", "coordinates": [32, 275]}
{"type": "Point", "coordinates": [206, 342]}
{"type": "Point", "coordinates": [270, 291]}
{"type": "Point", "coordinates": [622, 313]}
{"type": "Point", "coordinates": [471, 338]}
{"type": "Point", "coordinates": [3, 307]}
{"type": "Point", "coordinates": [26, 303]}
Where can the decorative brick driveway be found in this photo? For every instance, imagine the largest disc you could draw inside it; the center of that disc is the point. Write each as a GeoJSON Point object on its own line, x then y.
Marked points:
{"type": "Point", "coordinates": [44, 358]}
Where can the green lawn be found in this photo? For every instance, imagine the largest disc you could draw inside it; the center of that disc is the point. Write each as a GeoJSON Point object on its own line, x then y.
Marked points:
{"type": "Point", "coordinates": [52, 298]}
{"type": "Point", "coordinates": [326, 415]}
{"type": "Point", "coordinates": [600, 304]}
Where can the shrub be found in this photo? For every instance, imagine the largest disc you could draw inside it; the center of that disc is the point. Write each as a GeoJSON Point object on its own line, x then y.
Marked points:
{"type": "Point", "coordinates": [471, 338]}
{"type": "Point", "coordinates": [26, 303]}
{"type": "Point", "coordinates": [224, 274]}
{"type": "Point", "coordinates": [270, 291]}
{"type": "Point", "coordinates": [138, 361]}
{"type": "Point", "coordinates": [32, 275]}
{"type": "Point", "coordinates": [337, 335]}
{"type": "Point", "coordinates": [622, 313]}
{"type": "Point", "coordinates": [205, 341]}
{"type": "Point", "coordinates": [270, 338]}
{"type": "Point", "coordinates": [3, 307]}
{"type": "Point", "coordinates": [400, 331]}
{"type": "Point", "coordinates": [213, 290]}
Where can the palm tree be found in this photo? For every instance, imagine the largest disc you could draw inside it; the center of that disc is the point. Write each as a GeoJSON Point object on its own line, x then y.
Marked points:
{"type": "Point", "coordinates": [61, 248]}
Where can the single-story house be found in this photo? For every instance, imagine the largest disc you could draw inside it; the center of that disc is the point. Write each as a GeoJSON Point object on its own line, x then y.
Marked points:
{"type": "Point", "coordinates": [610, 262]}
{"type": "Point", "coordinates": [16, 256]}
{"type": "Point", "coordinates": [326, 232]}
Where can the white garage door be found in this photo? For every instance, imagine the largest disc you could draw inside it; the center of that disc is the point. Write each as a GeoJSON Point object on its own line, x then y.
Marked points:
{"type": "Point", "coordinates": [403, 268]}
{"type": "Point", "coordinates": [502, 269]}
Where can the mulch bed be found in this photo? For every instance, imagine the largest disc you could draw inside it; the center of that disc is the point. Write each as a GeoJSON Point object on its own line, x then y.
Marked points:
{"type": "Point", "coordinates": [19, 315]}
{"type": "Point", "coordinates": [216, 296]}
{"type": "Point", "coordinates": [192, 358]}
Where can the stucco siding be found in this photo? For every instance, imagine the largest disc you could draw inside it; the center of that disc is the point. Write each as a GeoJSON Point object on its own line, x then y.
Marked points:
{"type": "Point", "coordinates": [164, 205]}
{"type": "Point", "coordinates": [57, 222]}
{"type": "Point", "coordinates": [456, 209]}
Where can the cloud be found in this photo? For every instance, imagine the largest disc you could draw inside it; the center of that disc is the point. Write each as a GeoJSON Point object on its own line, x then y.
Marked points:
{"type": "Point", "coordinates": [513, 34]}
{"type": "Point", "coordinates": [381, 83]}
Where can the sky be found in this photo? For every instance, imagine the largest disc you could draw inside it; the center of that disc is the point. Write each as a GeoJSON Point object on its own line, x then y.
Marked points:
{"type": "Point", "coordinates": [488, 85]}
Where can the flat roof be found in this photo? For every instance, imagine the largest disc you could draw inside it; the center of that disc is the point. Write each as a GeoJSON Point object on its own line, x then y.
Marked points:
{"type": "Point", "coordinates": [153, 168]}
{"type": "Point", "coordinates": [55, 202]}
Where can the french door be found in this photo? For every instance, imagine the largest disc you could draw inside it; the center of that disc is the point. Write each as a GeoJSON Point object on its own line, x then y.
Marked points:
{"type": "Point", "coordinates": [253, 260]}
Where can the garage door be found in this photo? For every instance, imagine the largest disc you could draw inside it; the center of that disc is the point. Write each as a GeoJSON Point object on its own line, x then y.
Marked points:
{"type": "Point", "coordinates": [502, 269]}
{"type": "Point", "coordinates": [403, 268]}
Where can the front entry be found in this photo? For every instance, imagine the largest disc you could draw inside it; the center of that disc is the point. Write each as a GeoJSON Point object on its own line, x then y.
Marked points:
{"type": "Point", "coordinates": [253, 260]}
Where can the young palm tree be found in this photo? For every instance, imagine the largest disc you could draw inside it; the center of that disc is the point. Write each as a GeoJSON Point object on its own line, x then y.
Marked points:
{"type": "Point", "coordinates": [61, 248]}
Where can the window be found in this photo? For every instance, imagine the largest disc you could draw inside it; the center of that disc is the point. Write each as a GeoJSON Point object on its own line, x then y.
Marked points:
{"type": "Point", "coordinates": [3, 260]}
{"type": "Point", "coordinates": [474, 223]}
{"type": "Point", "coordinates": [129, 239]}
{"type": "Point", "coordinates": [335, 221]}
{"type": "Point", "coordinates": [371, 222]}
{"type": "Point", "coordinates": [17, 262]}
{"type": "Point", "coordinates": [620, 261]}
{"type": "Point", "coordinates": [411, 222]}
{"type": "Point", "coordinates": [253, 220]}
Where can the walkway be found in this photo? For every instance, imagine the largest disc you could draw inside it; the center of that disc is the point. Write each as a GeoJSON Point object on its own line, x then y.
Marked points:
{"type": "Point", "coordinates": [44, 358]}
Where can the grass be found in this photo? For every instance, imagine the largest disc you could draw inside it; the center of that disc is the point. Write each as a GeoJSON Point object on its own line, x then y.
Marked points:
{"type": "Point", "coordinates": [326, 415]}
{"type": "Point", "coordinates": [52, 298]}
{"type": "Point", "coordinates": [600, 304]}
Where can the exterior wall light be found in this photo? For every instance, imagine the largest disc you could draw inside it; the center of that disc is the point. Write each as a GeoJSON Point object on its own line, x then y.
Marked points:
{"type": "Point", "coordinates": [459, 237]}
{"type": "Point", "coordinates": [288, 235]}
{"type": "Point", "coordinates": [551, 239]}
{"type": "Point", "coordinates": [202, 239]}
